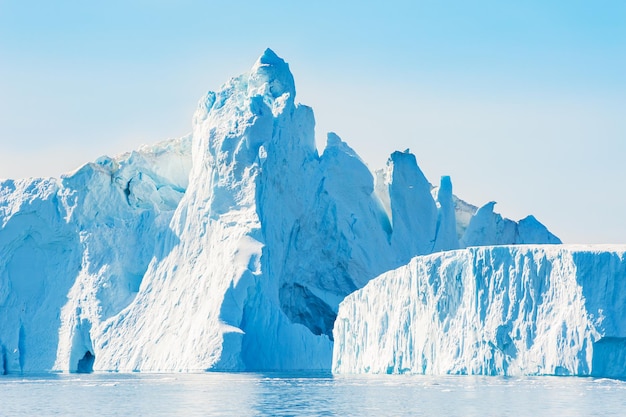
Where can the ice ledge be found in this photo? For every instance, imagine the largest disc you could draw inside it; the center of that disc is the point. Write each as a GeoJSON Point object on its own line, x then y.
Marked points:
{"type": "Point", "coordinates": [506, 310]}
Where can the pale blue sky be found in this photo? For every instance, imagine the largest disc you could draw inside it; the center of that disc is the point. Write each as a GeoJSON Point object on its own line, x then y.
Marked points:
{"type": "Point", "coordinates": [523, 103]}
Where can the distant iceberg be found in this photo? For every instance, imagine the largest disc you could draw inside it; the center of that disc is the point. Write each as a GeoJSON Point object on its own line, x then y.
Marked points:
{"type": "Point", "coordinates": [508, 310]}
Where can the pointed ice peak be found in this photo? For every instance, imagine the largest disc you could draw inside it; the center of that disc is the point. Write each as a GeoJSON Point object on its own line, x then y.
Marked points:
{"type": "Point", "coordinates": [404, 160]}
{"type": "Point", "coordinates": [487, 208]}
{"type": "Point", "coordinates": [445, 235]}
{"type": "Point", "coordinates": [445, 186]}
{"type": "Point", "coordinates": [444, 191]}
{"type": "Point", "coordinates": [333, 141]}
{"type": "Point", "coordinates": [269, 57]}
{"type": "Point", "coordinates": [270, 77]}
{"type": "Point", "coordinates": [531, 230]}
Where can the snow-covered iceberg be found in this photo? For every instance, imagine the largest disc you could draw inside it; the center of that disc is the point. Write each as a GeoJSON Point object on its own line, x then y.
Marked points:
{"type": "Point", "coordinates": [228, 249]}
{"type": "Point", "coordinates": [508, 310]}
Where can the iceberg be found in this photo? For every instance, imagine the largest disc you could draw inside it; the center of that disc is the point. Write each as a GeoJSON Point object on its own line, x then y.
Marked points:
{"type": "Point", "coordinates": [501, 310]}
{"type": "Point", "coordinates": [226, 249]}
{"type": "Point", "coordinates": [77, 248]}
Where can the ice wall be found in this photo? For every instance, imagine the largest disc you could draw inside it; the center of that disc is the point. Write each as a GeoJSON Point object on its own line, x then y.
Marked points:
{"type": "Point", "coordinates": [509, 310]}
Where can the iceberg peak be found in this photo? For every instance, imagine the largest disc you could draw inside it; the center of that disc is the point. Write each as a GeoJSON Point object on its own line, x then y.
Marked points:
{"type": "Point", "coordinates": [270, 77]}
{"type": "Point", "coordinates": [333, 141]}
{"type": "Point", "coordinates": [269, 57]}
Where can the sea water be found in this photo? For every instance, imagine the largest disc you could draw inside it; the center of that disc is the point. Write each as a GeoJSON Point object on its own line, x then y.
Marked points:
{"type": "Point", "coordinates": [246, 394]}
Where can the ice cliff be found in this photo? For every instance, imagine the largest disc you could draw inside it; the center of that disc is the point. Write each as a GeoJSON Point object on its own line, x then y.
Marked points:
{"type": "Point", "coordinates": [228, 249]}
{"type": "Point", "coordinates": [509, 310]}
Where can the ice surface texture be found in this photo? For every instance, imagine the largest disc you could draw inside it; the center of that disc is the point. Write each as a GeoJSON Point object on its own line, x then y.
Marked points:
{"type": "Point", "coordinates": [229, 249]}
{"type": "Point", "coordinates": [522, 310]}
{"type": "Point", "coordinates": [73, 251]}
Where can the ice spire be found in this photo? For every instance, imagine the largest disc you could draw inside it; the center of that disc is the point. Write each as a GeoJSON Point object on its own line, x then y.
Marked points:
{"type": "Point", "coordinates": [270, 77]}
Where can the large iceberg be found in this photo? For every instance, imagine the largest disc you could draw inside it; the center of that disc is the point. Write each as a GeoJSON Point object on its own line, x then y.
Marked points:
{"type": "Point", "coordinates": [509, 310]}
{"type": "Point", "coordinates": [227, 249]}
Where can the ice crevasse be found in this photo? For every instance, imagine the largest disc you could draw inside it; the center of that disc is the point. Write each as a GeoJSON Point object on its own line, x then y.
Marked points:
{"type": "Point", "coordinates": [508, 310]}
{"type": "Point", "coordinates": [226, 249]}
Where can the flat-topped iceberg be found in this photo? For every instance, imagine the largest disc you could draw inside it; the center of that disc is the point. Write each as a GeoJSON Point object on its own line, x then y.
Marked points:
{"type": "Point", "coordinates": [508, 310]}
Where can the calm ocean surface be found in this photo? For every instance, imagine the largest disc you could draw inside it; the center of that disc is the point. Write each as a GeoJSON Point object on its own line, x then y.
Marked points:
{"type": "Point", "coordinates": [224, 394]}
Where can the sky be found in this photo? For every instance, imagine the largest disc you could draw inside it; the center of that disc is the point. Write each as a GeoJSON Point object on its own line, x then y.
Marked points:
{"type": "Point", "coordinates": [523, 103]}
